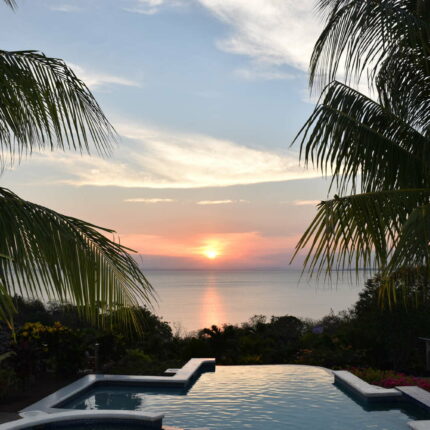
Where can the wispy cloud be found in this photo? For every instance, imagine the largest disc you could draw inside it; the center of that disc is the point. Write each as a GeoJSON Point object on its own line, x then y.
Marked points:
{"type": "Point", "coordinates": [151, 7]}
{"type": "Point", "coordinates": [65, 8]}
{"type": "Point", "coordinates": [95, 80]}
{"type": "Point", "coordinates": [273, 33]}
{"type": "Point", "coordinates": [153, 158]}
{"type": "Point", "coordinates": [146, 7]}
{"type": "Point", "coordinates": [143, 200]}
{"type": "Point", "coordinates": [306, 202]}
{"type": "Point", "coordinates": [214, 202]}
{"type": "Point", "coordinates": [253, 74]}
{"type": "Point", "coordinates": [270, 31]}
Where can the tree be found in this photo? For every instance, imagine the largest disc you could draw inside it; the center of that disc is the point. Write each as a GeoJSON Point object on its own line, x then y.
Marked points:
{"type": "Point", "coordinates": [43, 105]}
{"type": "Point", "coordinates": [378, 151]}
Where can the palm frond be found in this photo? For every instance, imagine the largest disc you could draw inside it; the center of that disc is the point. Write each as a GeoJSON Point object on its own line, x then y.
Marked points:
{"type": "Point", "coordinates": [413, 246]}
{"type": "Point", "coordinates": [7, 307]}
{"type": "Point", "coordinates": [360, 231]}
{"type": "Point", "coordinates": [11, 3]}
{"type": "Point", "coordinates": [356, 139]}
{"type": "Point", "coordinates": [58, 257]}
{"type": "Point", "coordinates": [410, 73]}
{"type": "Point", "coordinates": [364, 33]}
{"type": "Point", "coordinates": [43, 104]}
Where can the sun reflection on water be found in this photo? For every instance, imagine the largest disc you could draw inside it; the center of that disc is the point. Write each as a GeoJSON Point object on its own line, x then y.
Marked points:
{"type": "Point", "coordinates": [213, 309]}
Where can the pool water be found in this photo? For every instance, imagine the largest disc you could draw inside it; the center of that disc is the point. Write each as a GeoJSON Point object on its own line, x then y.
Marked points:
{"type": "Point", "coordinates": [254, 397]}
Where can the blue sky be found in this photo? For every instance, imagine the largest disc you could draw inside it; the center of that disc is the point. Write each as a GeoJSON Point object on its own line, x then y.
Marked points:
{"type": "Point", "coordinates": [206, 96]}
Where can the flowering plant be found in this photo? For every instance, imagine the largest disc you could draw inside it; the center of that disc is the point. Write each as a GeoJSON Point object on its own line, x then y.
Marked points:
{"type": "Point", "coordinates": [389, 378]}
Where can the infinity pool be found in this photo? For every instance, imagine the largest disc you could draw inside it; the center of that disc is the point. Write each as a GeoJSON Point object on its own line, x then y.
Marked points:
{"type": "Point", "coordinates": [254, 397]}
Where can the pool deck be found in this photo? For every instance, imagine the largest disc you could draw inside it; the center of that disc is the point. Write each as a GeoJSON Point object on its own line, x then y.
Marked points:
{"type": "Point", "coordinates": [183, 377]}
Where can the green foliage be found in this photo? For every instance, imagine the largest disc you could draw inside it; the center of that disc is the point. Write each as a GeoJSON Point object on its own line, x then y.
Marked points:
{"type": "Point", "coordinates": [134, 362]}
{"type": "Point", "coordinates": [67, 259]}
{"type": "Point", "coordinates": [376, 149]}
{"type": "Point", "coordinates": [45, 106]}
{"type": "Point", "coordinates": [56, 348]}
{"type": "Point", "coordinates": [372, 376]}
{"type": "Point", "coordinates": [9, 382]}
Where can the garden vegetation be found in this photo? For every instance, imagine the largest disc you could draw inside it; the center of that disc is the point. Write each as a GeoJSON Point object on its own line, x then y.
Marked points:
{"type": "Point", "coordinates": [53, 340]}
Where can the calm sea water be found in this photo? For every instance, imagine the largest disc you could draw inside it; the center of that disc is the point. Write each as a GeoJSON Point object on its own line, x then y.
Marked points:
{"type": "Point", "coordinates": [191, 300]}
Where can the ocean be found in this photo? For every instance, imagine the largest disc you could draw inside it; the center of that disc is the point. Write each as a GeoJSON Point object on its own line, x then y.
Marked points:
{"type": "Point", "coordinates": [193, 299]}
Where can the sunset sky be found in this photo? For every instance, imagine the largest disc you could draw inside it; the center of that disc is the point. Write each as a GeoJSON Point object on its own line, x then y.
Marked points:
{"type": "Point", "coordinates": [207, 96]}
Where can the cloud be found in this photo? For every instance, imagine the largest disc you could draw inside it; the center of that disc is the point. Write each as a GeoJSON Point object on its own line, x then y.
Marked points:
{"type": "Point", "coordinates": [214, 202]}
{"type": "Point", "coordinates": [270, 31]}
{"type": "Point", "coordinates": [65, 8]}
{"type": "Point", "coordinates": [146, 7]}
{"type": "Point", "coordinates": [306, 202]}
{"type": "Point", "coordinates": [151, 158]}
{"type": "Point", "coordinates": [143, 200]}
{"type": "Point", "coordinates": [151, 7]}
{"type": "Point", "coordinates": [273, 33]}
{"type": "Point", "coordinates": [253, 74]}
{"type": "Point", "coordinates": [95, 80]}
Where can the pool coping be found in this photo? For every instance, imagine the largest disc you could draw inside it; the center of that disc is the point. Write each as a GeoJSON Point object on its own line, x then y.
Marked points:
{"type": "Point", "coordinates": [36, 418]}
{"type": "Point", "coordinates": [363, 389]}
{"type": "Point", "coordinates": [181, 378]}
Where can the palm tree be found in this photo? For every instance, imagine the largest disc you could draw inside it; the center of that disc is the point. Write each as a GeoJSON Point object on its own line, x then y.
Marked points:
{"type": "Point", "coordinates": [378, 151]}
{"type": "Point", "coordinates": [43, 105]}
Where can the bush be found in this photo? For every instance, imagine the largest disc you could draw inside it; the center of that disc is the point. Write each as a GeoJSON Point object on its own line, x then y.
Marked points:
{"type": "Point", "coordinates": [389, 378]}
{"type": "Point", "coordinates": [10, 384]}
{"type": "Point", "coordinates": [49, 348]}
{"type": "Point", "coordinates": [136, 362]}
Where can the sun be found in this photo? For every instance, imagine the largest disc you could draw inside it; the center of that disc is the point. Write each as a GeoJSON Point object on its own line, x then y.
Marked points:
{"type": "Point", "coordinates": [211, 254]}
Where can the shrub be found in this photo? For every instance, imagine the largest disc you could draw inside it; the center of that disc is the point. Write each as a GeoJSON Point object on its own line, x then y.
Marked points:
{"type": "Point", "coordinates": [10, 384]}
{"type": "Point", "coordinates": [389, 378]}
{"type": "Point", "coordinates": [49, 348]}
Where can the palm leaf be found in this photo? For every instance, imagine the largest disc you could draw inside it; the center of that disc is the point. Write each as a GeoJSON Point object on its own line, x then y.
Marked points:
{"type": "Point", "coordinates": [362, 230]}
{"type": "Point", "coordinates": [10, 3]}
{"type": "Point", "coordinates": [365, 33]}
{"type": "Point", "coordinates": [356, 139]}
{"type": "Point", "coordinates": [410, 72]}
{"type": "Point", "coordinates": [43, 105]}
{"type": "Point", "coordinates": [7, 308]}
{"type": "Point", "coordinates": [413, 244]}
{"type": "Point", "coordinates": [63, 258]}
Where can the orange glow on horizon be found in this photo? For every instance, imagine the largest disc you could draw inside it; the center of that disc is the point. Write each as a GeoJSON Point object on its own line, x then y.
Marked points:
{"type": "Point", "coordinates": [213, 250]}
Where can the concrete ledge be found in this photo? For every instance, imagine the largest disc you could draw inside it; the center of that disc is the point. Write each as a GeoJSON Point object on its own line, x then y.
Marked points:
{"type": "Point", "coordinates": [38, 418]}
{"type": "Point", "coordinates": [419, 425]}
{"type": "Point", "coordinates": [366, 391]}
{"type": "Point", "coordinates": [182, 378]}
{"type": "Point", "coordinates": [416, 394]}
